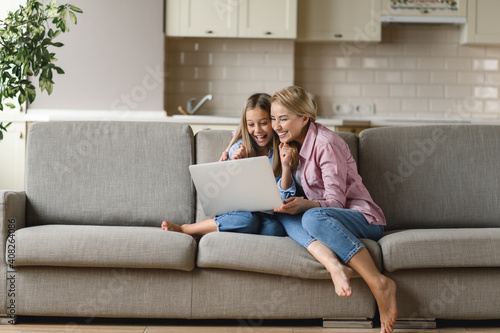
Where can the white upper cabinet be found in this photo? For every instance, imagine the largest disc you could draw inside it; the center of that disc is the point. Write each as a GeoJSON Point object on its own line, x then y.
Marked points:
{"type": "Point", "coordinates": [201, 18]}
{"type": "Point", "coordinates": [483, 25]}
{"type": "Point", "coordinates": [232, 18]}
{"type": "Point", "coordinates": [268, 19]}
{"type": "Point", "coordinates": [339, 20]}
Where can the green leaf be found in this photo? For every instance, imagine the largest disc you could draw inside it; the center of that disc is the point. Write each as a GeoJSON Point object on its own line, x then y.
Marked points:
{"type": "Point", "coordinates": [72, 17]}
{"type": "Point", "coordinates": [59, 70]}
{"type": "Point", "coordinates": [10, 105]}
{"type": "Point", "coordinates": [75, 9]}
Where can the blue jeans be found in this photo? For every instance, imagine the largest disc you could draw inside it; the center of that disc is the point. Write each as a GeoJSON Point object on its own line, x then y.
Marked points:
{"type": "Point", "coordinates": [249, 223]}
{"type": "Point", "coordinates": [337, 228]}
{"type": "Point", "coordinates": [340, 229]}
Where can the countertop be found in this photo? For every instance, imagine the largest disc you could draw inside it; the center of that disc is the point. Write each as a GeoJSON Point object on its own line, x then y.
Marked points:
{"type": "Point", "coordinates": [97, 115]}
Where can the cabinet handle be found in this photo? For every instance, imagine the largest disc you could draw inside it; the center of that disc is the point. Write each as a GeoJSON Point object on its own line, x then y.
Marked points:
{"type": "Point", "coordinates": [209, 32]}
{"type": "Point", "coordinates": [337, 35]}
{"type": "Point", "coordinates": [268, 33]}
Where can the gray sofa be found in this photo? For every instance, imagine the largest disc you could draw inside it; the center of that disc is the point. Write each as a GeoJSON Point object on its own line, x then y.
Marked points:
{"type": "Point", "coordinates": [84, 239]}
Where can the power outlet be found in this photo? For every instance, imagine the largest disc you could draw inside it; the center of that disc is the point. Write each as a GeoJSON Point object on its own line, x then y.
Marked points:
{"type": "Point", "coordinates": [343, 108]}
{"type": "Point", "coordinates": [356, 109]}
{"type": "Point", "coordinates": [364, 109]}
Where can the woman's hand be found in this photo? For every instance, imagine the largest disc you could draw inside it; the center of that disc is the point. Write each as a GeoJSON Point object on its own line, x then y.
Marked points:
{"type": "Point", "coordinates": [286, 171]}
{"type": "Point", "coordinates": [285, 155]}
{"type": "Point", "coordinates": [296, 205]}
{"type": "Point", "coordinates": [241, 152]}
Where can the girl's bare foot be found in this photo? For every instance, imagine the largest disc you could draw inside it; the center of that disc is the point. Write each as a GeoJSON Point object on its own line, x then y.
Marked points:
{"type": "Point", "coordinates": [386, 301]}
{"type": "Point", "coordinates": [341, 276]}
{"type": "Point", "coordinates": [170, 226]}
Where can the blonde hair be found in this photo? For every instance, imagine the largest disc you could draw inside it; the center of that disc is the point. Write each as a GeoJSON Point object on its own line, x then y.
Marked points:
{"type": "Point", "coordinates": [263, 102]}
{"type": "Point", "coordinates": [299, 102]}
{"type": "Point", "coordinates": [296, 100]}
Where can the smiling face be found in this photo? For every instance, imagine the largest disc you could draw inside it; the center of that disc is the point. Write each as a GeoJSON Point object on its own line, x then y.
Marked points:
{"type": "Point", "coordinates": [259, 127]}
{"type": "Point", "coordinates": [288, 125]}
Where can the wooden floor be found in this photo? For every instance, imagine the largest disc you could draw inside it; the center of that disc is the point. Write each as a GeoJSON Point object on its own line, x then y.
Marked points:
{"type": "Point", "coordinates": [65, 325]}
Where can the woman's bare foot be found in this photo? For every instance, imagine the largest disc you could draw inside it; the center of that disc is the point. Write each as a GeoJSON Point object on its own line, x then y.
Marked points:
{"type": "Point", "coordinates": [386, 301]}
{"type": "Point", "coordinates": [171, 226]}
{"type": "Point", "coordinates": [341, 276]}
{"type": "Point", "coordinates": [340, 273]}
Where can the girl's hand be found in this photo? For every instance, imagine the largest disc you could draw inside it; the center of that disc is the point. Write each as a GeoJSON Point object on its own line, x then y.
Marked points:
{"type": "Point", "coordinates": [285, 154]}
{"type": "Point", "coordinates": [224, 156]}
{"type": "Point", "coordinates": [241, 152]}
{"type": "Point", "coordinates": [296, 205]}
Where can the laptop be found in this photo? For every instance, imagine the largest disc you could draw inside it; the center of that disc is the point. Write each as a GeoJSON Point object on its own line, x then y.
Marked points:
{"type": "Point", "coordinates": [246, 184]}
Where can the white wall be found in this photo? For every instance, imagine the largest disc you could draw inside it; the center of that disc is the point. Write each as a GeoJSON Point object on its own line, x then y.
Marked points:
{"type": "Point", "coordinates": [113, 58]}
{"type": "Point", "coordinates": [8, 5]}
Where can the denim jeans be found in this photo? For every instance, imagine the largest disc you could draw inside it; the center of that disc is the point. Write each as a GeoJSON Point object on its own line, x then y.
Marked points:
{"type": "Point", "coordinates": [340, 229]}
{"type": "Point", "coordinates": [249, 223]}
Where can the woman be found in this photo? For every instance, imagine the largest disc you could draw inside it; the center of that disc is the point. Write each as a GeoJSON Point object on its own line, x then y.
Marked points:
{"type": "Point", "coordinates": [337, 209]}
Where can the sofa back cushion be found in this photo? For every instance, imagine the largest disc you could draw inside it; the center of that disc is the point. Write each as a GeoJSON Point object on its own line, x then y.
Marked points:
{"type": "Point", "coordinates": [433, 176]}
{"type": "Point", "coordinates": [109, 173]}
{"type": "Point", "coordinates": [211, 143]}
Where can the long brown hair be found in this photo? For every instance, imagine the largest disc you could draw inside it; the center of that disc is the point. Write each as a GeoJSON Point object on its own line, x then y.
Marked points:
{"type": "Point", "coordinates": [263, 102]}
{"type": "Point", "coordinates": [296, 100]}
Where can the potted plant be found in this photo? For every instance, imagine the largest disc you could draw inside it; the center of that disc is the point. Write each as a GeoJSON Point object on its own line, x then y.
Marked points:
{"type": "Point", "coordinates": [25, 38]}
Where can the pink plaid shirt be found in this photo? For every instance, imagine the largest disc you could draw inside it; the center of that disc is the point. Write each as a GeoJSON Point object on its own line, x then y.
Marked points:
{"type": "Point", "coordinates": [329, 174]}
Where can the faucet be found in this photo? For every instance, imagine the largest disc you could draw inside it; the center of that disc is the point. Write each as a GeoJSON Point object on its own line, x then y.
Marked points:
{"type": "Point", "coordinates": [191, 101]}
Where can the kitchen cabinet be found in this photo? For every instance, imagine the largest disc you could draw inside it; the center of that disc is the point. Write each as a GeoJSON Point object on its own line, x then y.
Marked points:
{"type": "Point", "coordinates": [232, 18]}
{"type": "Point", "coordinates": [418, 10]}
{"type": "Point", "coordinates": [12, 150]}
{"type": "Point", "coordinates": [482, 25]}
{"type": "Point", "coordinates": [339, 20]}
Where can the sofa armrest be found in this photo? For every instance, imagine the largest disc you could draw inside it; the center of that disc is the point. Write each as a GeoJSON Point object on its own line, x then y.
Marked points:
{"type": "Point", "coordinates": [12, 213]}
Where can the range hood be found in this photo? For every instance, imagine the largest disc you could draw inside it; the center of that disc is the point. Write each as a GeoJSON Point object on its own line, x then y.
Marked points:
{"type": "Point", "coordinates": [423, 19]}
{"type": "Point", "coordinates": [424, 11]}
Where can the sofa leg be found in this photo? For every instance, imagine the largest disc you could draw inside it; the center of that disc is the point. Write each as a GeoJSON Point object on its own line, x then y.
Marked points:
{"type": "Point", "coordinates": [415, 323]}
{"type": "Point", "coordinates": [347, 323]}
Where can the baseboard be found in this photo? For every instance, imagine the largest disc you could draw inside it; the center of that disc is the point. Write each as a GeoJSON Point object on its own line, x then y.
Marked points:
{"type": "Point", "coordinates": [417, 323]}
{"type": "Point", "coordinates": [347, 323]}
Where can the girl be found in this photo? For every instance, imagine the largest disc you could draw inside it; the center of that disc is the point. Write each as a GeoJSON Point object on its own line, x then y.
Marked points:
{"type": "Point", "coordinates": [254, 137]}
{"type": "Point", "coordinates": [337, 209]}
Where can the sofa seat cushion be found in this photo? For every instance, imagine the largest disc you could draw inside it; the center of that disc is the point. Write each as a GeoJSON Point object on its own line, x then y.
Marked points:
{"type": "Point", "coordinates": [266, 254]}
{"type": "Point", "coordinates": [103, 246]}
{"type": "Point", "coordinates": [441, 248]}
